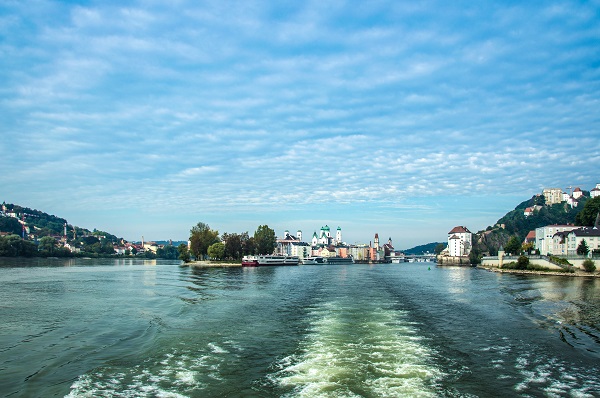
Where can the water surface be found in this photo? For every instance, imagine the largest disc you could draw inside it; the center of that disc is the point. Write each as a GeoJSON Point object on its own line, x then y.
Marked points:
{"type": "Point", "coordinates": [134, 328]}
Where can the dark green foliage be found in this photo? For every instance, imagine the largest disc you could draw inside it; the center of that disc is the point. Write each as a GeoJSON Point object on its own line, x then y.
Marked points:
{"type": "Point", "coordinates": [426, 248]}
{"type": "Point", "coordinates": [589, 265]}
{"type": "Point", "coordinates": [587, 216]}
{"type": "Point", "coordinates": [583, 249]}
{"type": "Point", "coordinates": [265, 239]}
{"type": "Point", "coordinates": [168, 252]}
{"type": "Point", "coordinates": [559, 261]}
{"type": "Point", "coordinates": [10, 225]}
{"type": "Point", "coordinates": [14, 246]}
{"type": "Point", "coordinates": [523, 262]}
{"type": "Point", "coordinates": [201, 237]}
{"type": "Point", "coordinates": [184, 254]}
{"type": "Point", "coordinates": [513, 246]}
{"type": "Point", "coordinates": [234, 245]}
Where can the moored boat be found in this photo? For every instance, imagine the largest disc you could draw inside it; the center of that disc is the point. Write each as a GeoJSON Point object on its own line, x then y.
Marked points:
{"type": "Point", "coordinates": [313, 260]}
{"type": "Point", "coordinates": [339, 260]}
{"type": "Point", "coordinates": [262, 260]}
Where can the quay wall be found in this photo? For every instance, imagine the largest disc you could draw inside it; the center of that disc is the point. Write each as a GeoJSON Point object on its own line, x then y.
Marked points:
{"type": "Point", "coordinates": [453, 260]}
{"type": "Point", "coordinates": [498, 261]}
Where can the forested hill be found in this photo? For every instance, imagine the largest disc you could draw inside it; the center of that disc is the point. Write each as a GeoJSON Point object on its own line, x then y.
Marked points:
{"type": "Point", "coordinates": [516, 223]}
{"type": "Point", "coordinates": [40, 224]}
{"type": "Point", "coordinates": [422, 249]}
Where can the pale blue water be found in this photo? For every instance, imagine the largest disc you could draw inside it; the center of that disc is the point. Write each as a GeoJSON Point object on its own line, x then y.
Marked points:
{"type": "Point", "coordinates": [124, 328]}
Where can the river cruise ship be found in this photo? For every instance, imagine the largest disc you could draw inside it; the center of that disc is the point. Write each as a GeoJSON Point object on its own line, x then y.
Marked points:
{"type": "Point", "coordinates": [260, 261]}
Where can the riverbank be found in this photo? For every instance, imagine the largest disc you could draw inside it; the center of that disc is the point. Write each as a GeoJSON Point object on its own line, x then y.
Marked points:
{"type": "Point", "coordinates": [577, 273]}
{"type": "Point", "coordinates": [212, 264]}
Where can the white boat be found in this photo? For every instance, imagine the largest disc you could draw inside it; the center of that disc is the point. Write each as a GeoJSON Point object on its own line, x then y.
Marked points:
{"type": "Point", "coordinates": [262, 260]}
{"type": "Point", "coordinates": [313, 260]}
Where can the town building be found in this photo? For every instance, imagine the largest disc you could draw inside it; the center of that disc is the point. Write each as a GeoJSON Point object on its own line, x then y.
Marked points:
{"type": "Point", "coordinates": [553, 195]}
{"type": "Point", "coordinates": [544, 237]}
{"type": "Point", "coordinates": [590, 235]}
{"type": "Point", "coordinates": [595, 192]}
{"type": "Point", "coordinates": [459, 241]}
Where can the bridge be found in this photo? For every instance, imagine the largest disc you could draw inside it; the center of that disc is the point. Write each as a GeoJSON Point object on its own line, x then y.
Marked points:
{"type": "Point", "coordinates": [419, 258]}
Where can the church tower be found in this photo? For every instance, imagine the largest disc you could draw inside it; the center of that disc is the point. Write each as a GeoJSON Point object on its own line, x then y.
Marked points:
{"type": "Point", "coordinates": [376, 241]}
{"type": "Point", "coordinates": [338, 236]}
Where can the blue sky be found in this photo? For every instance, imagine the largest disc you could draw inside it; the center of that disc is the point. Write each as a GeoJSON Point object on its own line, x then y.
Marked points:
{"type": "Point", "coordinates": [396, 117]}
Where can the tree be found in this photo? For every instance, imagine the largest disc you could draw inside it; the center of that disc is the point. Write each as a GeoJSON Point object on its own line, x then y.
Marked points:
{"type": "Point", "coordinates": [527, 247]}
{"type": "Point", "coordinates": [248, 245]}
{"type": "Point", "coordinates": [168, 252]}
{"type": "Point", "coordinates": [439, 248]}
{"type": "Point", "coordinates": [522, 262]}
{"type": "Point", "coordinates": [583, 249]}
{"type": "Point", "coordinates": [265, 239]}
{"type": "Point", "coordinates": [14, 246]}
{"type": "Point", "coordinates": [216, 251]}
{"type": "Point", "coordinates": [513, 246]}
{"type": "Point", "coordinates": [184, 253]}
{"type": "Point", "coordinates": [587, 216]}
{"type": "Point", "coordinates": [201, 237]}
{"type": "Point", "coordinates": [47, 244]}
{"type": "Point", "coordinates": [234, 245]}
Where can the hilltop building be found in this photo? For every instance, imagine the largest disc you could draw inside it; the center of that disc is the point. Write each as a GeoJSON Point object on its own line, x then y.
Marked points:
{"type": "Point", "coordinates": [553, 195]}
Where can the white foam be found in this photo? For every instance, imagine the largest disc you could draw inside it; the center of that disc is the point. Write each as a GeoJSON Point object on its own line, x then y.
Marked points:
{"type": "Point", "coordinates": [345, 353]}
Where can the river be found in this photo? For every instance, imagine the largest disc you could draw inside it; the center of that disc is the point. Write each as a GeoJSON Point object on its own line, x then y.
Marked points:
{"type": "Point", "coordinates": [134, 328]}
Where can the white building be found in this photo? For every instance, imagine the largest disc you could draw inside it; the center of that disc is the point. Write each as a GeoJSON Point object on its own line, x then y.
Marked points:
{"type": "Point", "coordinates": [544, 237]}
{"type": "Point", "coordinates": [459, 241]}
{"type": "Point", "coordinates": [576, 236]}
{"type": "Point", "coordinates": [595, 192]}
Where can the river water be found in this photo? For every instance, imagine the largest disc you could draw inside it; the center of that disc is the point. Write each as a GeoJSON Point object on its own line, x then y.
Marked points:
{"type": "Point", "coordinates": [134, 328]}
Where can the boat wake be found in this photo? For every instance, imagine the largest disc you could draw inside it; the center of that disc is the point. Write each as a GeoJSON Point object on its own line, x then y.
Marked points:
{"type": "Point", "coordinates": [360, 352]}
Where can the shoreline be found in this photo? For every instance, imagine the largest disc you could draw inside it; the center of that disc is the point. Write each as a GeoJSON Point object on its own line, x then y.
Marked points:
{"type": "Point", "coordinates": [532, 272]}
{"type": "Point", "coordinates": [212, 264]}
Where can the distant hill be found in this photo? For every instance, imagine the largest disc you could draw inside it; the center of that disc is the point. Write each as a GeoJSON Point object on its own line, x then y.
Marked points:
{"type": "Point", "coordinates": [426, 248]}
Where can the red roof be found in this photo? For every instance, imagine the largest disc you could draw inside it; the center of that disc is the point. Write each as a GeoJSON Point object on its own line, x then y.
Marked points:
{"type": "Point", "coordinates": [459, 230]}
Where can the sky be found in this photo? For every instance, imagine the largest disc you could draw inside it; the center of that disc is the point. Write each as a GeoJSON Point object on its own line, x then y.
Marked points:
{"type": "Point", "coordinates": [402, 118]}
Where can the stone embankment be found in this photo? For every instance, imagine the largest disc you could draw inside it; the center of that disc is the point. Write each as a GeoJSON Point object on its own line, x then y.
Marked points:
{"type": "Point", "coordinates": [577, 273]}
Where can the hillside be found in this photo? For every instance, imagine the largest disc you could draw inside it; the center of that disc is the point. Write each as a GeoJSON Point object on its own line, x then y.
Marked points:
{"type": "Point", "coordinates": [422, 249]}
{"type": "Point", "coordinates": [516, 223]}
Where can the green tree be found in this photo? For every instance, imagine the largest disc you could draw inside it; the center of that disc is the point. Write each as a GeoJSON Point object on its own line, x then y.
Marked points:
{"type": "Point", "coordinates": [248, 245]}
{"type": "Point", "coordinates": [201, 237]}
{"type": "Point", "coordinates": [14, 246]}
{"type": "Point", "coordinates": [47, 245]}
{"type": "Point", "coordinates": [265, 239]}
{"type": "Point", "coordinates": [216, 251]}
{"type": "Point", "coordinates": [439, 248]}
{"type": "Point", "coordinates": [513, 246]}
{"type": "Point", "coordinates": [10, 225]}
{"type": "Point", "coordinates": [522, 262]}
{"type": "Point", "coordinates": [587, 216]}
{"type": "Point", "coordinates": [527, 247]}
{"type": "Point", "coordinates": [583, 249]}
{"type": "Point", "coordinates": [234, 245]}
{"type": "Point", "coordinates": [168, 252]}
{"type": "Point", "coordinates": [184, 253]}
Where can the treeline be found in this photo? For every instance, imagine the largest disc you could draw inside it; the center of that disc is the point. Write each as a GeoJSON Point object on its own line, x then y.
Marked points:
{"type": "Point", "coordinates": [207, 243]}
